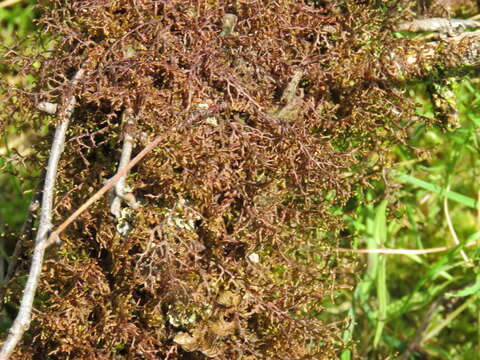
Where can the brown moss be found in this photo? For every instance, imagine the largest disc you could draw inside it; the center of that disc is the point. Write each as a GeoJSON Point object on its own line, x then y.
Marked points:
{"type": "Point", "coordinates": [296, 103]}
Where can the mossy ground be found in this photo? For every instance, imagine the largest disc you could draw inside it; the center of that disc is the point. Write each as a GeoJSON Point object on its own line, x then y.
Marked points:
{"type": "Point", "coordinates": [233, 249]}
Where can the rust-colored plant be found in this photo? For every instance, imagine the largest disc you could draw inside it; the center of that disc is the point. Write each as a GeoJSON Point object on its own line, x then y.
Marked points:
{"type": "Point", "coordinates": [221, 242]}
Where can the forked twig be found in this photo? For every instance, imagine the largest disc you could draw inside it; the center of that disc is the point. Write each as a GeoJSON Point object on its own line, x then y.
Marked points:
{"type": "Point", "coordinates": [54, 236]}
{"type": "Point", "coordinates": [23, 319]}
{"type": "Point", "coordinates": [121, 193]}
{"type": "Point", "coordinates": [22, 322]}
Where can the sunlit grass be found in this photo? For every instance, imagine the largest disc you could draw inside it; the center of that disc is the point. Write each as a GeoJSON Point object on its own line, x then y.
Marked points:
{"type": "Point", "coordinates": [416, 306]}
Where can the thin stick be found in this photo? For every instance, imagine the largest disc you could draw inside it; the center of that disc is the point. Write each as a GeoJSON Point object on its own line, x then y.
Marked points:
{"type": "Point", "coordinates": [54, 236]}
{"type": "Point", "coordinates": [108, 185]}
{"type": "Point", "coordinates": [24, 316]}
{"type": "Point", "coordinates": [7, 3]}
{"type": "Point", "coordinates": [120, 192]}
{"type": "Point", "coordinates": [417, 339]}
{"type": "Point", "coordinates": [25, 232]}
{"type": "Point", "coordinates": [402, 251]}
{"type": "Point", "coordinates": [450, 224]}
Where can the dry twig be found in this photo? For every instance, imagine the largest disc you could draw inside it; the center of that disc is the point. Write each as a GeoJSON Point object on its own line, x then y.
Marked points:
{"type": "Point", "coordinates": [439, 25]}
{"type": "Point", "coordinates": [120, 191]}
{"type": "Point", "coordinates": [25, 232]}
{"type": "Point", "coordinates": [450, 225]}
{"type": "Point", "coordinates": [7, 3]}
{"type": "Point", "coordinates": [23, 319]}
{"type": "Point", "coordinates": [54, 236]}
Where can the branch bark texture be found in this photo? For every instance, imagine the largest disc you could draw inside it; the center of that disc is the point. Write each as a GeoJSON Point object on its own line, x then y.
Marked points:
{"type": "Point", "coordinates": [410, 59]}
{"type": "Point", "coordinates": [120, 192]}
{"type": "Point", "coordinates": [24, 317]}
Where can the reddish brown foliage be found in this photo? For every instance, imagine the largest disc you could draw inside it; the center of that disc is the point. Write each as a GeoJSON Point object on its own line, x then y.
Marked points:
{"type": "Point", "coordinates": [224, 258]}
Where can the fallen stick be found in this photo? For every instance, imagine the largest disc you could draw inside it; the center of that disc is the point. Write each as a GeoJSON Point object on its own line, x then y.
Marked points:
{"type": "Point", "coordinates": [54, 236]}
{"type": "Point", "coordinates": [22, 322]}
{"type": "Point", "coordinates": [24, 316]}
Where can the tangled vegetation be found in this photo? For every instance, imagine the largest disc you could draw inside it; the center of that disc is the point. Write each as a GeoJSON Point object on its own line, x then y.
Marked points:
{"type": "Point", "coordinates": [274, 114]}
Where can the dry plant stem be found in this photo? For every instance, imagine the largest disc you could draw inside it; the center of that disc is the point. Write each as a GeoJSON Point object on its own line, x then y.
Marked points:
{"type": "Point", "coordinates": [26, 227]}
{"type": "Point", "coordinates": [24, 316]}
{"type": "Point", "coordinates": [54, 236]}
{"type": "Point", "coordinates": [120, 192]}
{"type": "Point", "coordinates": [423, 326]}
{"type": "Point", "coordinates": [25, 233]}
{"type": "Point", "coordinates": [7, 3]}
{"type": "Point", "coordinates": [450, 225]}
{"type": "Point", "coordinates": [403, 251]}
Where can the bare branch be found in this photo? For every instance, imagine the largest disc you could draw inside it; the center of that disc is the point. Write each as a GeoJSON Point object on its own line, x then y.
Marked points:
{"type": "Point", "coordinates": [49, 108]}
{"type": "Point", "coordinates": [439, 25]}
{"type": "Point", "coordinates": [23, 319]}
{"type": "Point", "coordinates": [7, 3]}
{"type": "Point", "coordinates": [54, 236]}
{"type": "Point", "coordinates": [415, 59]}
{"type": "Point", "coordinates": [120, 191]}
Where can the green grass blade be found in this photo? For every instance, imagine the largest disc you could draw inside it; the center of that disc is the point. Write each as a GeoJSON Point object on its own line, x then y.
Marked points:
{"type": "Point", "coordinates": [363, 289]}
{"type": "Point", "coordinates": [380, 235]}
{"type": "Point", "coordinates": [452, 195]}
{"type": "Point", "coordinates": [348, 334]}
{"type": "Point", "coordinates": [470, 290]}
{"type": "Point", "coordinates": [445, 263]}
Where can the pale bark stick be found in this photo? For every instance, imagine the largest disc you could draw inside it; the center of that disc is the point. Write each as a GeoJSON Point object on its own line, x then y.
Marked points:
{"type": "Point", "coordinates": [120, 192]}
{"type": "Point", "coordinates": [24, 316]}
{"type": "Point", "coordinates": [54, 236]}
{"type": "Point", "coordinates": [108, 185]}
